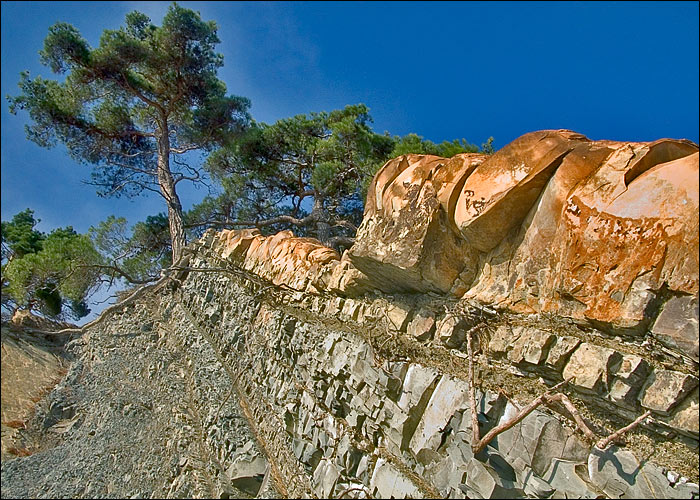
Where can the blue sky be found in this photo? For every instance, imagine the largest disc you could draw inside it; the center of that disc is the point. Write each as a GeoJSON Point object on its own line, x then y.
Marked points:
{"type": "Point", "coordinates": [610, 70]}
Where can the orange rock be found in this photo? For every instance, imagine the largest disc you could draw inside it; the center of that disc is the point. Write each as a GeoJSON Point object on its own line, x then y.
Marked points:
{"type": "Point", "coordinates": [282, 258]}
{"type": "Point", "coordinates": [604, 232]}
{"type": "Point", "coordinates": [498, 195]}
{"type": "Point", "coordinates": [407, 240]}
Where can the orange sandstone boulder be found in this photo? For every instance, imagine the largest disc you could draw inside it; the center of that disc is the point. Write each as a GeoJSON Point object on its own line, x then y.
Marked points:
{"type": "Point", "coordinates": [281, 258]}
{"type": "Point", "coordinates": [624, 250]}
{"type": "Point", "coordinates": [500, 192]}
{"type": "Point", "coordinates": [407, 240]}
{"type": "Point", "coordinates": [603, 232]}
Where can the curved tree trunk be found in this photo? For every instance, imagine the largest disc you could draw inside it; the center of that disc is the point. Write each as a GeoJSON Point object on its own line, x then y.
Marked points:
{"type": "Point", "coordinates": [167, 189]}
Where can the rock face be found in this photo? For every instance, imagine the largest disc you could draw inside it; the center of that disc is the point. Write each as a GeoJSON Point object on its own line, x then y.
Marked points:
{"type": "Point", "coordinates": [603, 232]}
{"type": "Point", "coordinates": [291, 372]}
{"type": "Point", "coordinates": [32, 364]}
{"type": "Point", "coordinates": [599, 231]}
{"type": "Point", "coordinates": [407, 240]}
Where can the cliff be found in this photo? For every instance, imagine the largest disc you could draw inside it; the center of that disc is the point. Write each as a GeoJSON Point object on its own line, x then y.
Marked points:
{"type": "Point", "coordinates": [273, 366]}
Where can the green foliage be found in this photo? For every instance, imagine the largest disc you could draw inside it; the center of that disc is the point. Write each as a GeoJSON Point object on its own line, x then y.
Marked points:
{"type": "Point", "coordinates": [307, 172]}
{"type": "Point", "coordinates": [323, 158]}
{"type": "Point", "coordinates": [19, 236]}
{"type": "Point", "coordinates": [143, 82]}
{"type": "Point", "coordinates": [62, 269]}
{"type": "Point", "coordinates": [487, 147]}
{"type": "Point", "coordinates": [415, 144]}
{"type": "Point", "coordinates": [56, 278]}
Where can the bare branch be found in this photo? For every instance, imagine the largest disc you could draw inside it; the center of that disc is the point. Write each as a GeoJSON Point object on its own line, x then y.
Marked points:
{"type": "Point", "coordinates": [603, 443]}
{"type": "Point", "coordinates": [472, 399]}
{"type": "Point", "coordinates": [306, 221]}
{"type": "Point", "coordinates": [561, 398]}
{"type": "Point", "coordinates": [184, 149]}
{"type": "Point", "coordinates": [132, 168]}
{"type": "Point", "coordinates": [363, 489]}
{"type": "Point", "coordinates": [117, 270]}
{"type": "Point", "coordinates": [478, 443]}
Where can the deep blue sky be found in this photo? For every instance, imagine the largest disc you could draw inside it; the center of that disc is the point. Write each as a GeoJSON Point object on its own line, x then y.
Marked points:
{"type": "Point", "coordinates": [610, 70]}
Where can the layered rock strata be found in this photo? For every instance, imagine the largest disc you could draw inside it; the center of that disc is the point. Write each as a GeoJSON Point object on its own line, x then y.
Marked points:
{"type": "Point", "coordinates": [602, 232]}
{"type": "Point", "coordinates": [348, 373]}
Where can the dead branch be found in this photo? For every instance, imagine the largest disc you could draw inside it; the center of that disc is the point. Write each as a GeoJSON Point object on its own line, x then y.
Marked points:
{"type": "Point", "coordinates": [479, 443]}
{"type": "Point", "coordinates": [476, 439]}
{"type": "Point", "coordinates": [561, 398]}
{"type": "Point", "coordinates": [547, 398]}
{"type": "Point", "coordinates": [603, 443]}
{"type": "Point", "coordinates": [130, 299]}
{"type": "Point", "coordinates": [363, 489]}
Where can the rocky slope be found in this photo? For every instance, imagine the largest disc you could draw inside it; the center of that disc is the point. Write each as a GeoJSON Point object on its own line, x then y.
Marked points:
{"type": "Point", "coordinates": [33, 362]}
{"type": "Point", "coordinates": [275, 366]}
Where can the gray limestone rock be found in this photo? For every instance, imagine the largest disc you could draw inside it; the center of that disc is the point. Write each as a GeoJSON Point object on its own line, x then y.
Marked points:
{"type": "Point", "coordinates": [488, 482]}
{"type": "Point", "coordinates": [561, 350]}
{"type": "Point", "coordinates": [325, 476]}
{"type": "Point", "coordinates": [570, 479]}
{"type": "Point", "coordinates": [388, 482]}
{"type": "Point", "coordinates": [619, 474]}
{"type": "Point", "coordinates": [532, 346]}
{"type": "Point", "coordinates": [450, 395]}
{"type": "Point", "coordinates": [677, 325]}
{"type": "Point", "coordinates": [246, 473]}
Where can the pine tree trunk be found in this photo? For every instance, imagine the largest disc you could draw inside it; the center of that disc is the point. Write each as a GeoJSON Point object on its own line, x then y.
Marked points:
{"type": "Point", "coordinates": [323, 227]}
{"type": "Point", "coordinates": [167, 189]}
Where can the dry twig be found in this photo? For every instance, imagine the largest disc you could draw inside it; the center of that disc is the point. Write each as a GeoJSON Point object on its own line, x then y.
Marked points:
{"type": "Point", "coordinates": [603, 443]}
{"type": "Point", "coordinates": [363, 489]}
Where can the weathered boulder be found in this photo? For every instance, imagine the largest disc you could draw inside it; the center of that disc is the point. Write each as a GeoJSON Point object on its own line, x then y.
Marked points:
{"type": "Point", "coordinates": [628, 380]}
{"type": "Point", "coordinates": [407, 239]}
{"type": "Point", "coordinates": [282, 258]}
{"type": "Point", "coordinates": [388, 482]}
{"type": "Point", "coordinates": [591, 367]}
{"type": "Point", "coordinates": [623, 238]}
{"type": "Point", "coordinates": [603, 232]}
{"type": "Point", "coordinates": [677, 325]}
{"type": "Point", "coordinates": [499, 193]}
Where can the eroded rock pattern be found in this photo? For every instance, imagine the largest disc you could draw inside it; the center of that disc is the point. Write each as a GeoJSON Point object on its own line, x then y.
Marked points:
{"type": "Point", "coordinates": [596, 230]}
{"type": "Point", "coordinates": [600, 231]}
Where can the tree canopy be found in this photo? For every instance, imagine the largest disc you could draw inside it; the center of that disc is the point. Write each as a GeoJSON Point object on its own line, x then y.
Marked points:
{"type": "Point", "coordinates": [136, 108]}
{"type": "Point", "coordinates": [19, 236]}
{"type": "Point", "coordinates": [415, 144]}
{"type": "Point", "coordinates": [137, 255]}
{"type": "Point", "coordinates": [54, 274]}
{"type": "Point", "coordinates": [306, 172]}
{"type": "Point", "coordinates": [147, 94]}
